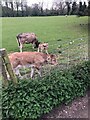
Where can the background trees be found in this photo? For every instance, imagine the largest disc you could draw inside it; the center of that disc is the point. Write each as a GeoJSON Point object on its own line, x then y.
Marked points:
{"type": "Point", "coordinates": [17, 8]}
{"type": "Point", "coordinates": [74, 8]}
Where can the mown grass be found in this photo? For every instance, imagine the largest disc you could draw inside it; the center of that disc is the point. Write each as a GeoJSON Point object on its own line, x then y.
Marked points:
{"type": "Point", "coordinates": [58, 31]}
{"type": "Point", "coordinates": [48, 29]}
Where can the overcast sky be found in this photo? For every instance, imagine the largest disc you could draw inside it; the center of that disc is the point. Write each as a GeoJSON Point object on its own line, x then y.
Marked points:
{"type": "Point", "coordinates": [48, 3]}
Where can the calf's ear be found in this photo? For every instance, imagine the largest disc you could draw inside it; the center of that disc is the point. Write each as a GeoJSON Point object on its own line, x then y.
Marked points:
{"type": "Point", "coordinates": [55, 56]}
{"type": "Point", "coordinates": [48, 58]}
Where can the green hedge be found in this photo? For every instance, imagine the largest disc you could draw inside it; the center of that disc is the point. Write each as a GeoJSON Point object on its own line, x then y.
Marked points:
{"type": "Point", "coordinates": [82, 73]}
{"type": "Point", "coordinates": [33, 98]}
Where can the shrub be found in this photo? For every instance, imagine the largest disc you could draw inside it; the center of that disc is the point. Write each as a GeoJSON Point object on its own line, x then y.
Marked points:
{"type": "Point", "coordinates": [33, 98]}
{"type": "Point", "coordinates": [82, 73]}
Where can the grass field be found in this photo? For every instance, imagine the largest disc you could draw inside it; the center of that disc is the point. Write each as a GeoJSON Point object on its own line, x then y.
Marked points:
{"type": "Point", "coordinates": [58, 31]}
{"type": "Point", "coordinates": [67, 37]}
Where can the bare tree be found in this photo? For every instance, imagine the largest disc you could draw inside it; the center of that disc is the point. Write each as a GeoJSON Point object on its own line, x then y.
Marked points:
{"type": "Point", "coordinates": [60, 6]}
{"type": "Point", "coordinates": [23, 6]}
{"type": "Point", "coordinates": [26, 9]}
{"type": "Point", "coordinates": [17, 7]}
{"type": "Point", "coordinates": [41, 8]}
{"type": "Point", "coordinates": [6, 3]}
{"type": "Point", "coordinates": [68, 7]}
{"type": "Point", "coordinates": [35, 9]}
{"type": "Point", "coordinates": [12, 7]}
{"type": "Point", "coordinates": [0, 8]}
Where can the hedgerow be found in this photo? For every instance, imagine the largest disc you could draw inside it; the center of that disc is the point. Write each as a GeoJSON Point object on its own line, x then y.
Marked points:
{"type": "Point", "coordinates": [82, 73]}
{"type": "Point", "coordinates": [33, 98]}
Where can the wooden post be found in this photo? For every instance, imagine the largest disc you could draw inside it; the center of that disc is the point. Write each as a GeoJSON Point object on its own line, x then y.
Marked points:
{"type": "Point", "coordinates": [88, 40]}
{"type": "Point", "coordinates": [8, 66]}
{"type": "Point", "coordinates": [4, 74]}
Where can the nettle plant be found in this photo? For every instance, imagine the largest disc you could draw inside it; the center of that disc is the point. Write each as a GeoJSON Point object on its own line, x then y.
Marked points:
{"type": "Point", "coordinates": [33, 98]}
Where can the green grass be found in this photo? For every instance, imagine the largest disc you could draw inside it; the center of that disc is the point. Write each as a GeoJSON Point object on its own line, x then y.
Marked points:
{"type": "Point", "coordinates": [48, 29]}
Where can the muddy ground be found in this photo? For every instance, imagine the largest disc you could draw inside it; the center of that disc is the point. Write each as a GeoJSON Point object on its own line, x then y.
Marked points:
{"type": "Point", "coordinates": [79, 108]}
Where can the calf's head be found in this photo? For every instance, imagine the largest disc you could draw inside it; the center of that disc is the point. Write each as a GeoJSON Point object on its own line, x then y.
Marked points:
{"type": "Point", "coordinates": [52, 59]}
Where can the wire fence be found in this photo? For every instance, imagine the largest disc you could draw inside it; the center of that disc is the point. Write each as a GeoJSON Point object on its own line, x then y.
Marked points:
{"type": "Point", "coordinates": [72, 52]}
{"type": "Point", "coordinates": [68, 53]}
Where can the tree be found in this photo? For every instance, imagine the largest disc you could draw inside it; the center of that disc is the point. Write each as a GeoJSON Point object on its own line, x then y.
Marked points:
{"type": "Point", "coordinates": [47, 12]}
{"type": "Point", "coordinates": [41, 8]}
{"type": "Point", "coordinates": [26, 9]}
{"type": "Point", "coordinates": [85, 8]}
{"type": "Point", "coordinates": [89, 8]}
{"type": "Point", "coordinates": [17, 8]}
{"type": "Point", "coordinates": [0, 9]}
{"type": "Point", "coordinates": [74, 8]}
{"type": "Point", "coordinates": [80, 9]}
{"type": "Point", "coordinates": [35, 10]}
{"type": "Point", "coordinates": [68, 7]}
{"type": "Point", "coordinates": [6, 10]}
{"type": "Point", "coordinates": [22, 8]}
{"type": "Point", "coordinates": [6, 4]}
{"type": "Point", "coordinates": [60, 7]}
{"type": "Point", "coordinates": [12, 8]}
{"type": "Point", "coordinates": [84, 5]}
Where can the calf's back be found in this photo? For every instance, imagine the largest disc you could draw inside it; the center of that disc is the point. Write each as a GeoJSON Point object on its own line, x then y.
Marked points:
{"type": "Point", "coordinates": [25, 58]}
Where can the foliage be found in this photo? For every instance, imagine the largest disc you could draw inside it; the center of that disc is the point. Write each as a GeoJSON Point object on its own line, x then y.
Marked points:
{"type": "Point", "coordinates": [33, 98]}
{"type": "Point", "coordinates": [82, 73]}
{"type": "Point", "coordinates": [18, 9]}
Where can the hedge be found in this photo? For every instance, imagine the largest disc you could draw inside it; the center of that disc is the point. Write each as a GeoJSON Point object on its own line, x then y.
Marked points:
{"type": "Point", "coordinates": [33, 98]}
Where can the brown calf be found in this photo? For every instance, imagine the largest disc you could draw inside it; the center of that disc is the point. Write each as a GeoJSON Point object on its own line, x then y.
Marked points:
{"type": "Point", "coordinates": [43, 47]}
{"type": "Point", "coordinates": [30, 59]}
{"type": "Point", "coordinates": [27, 38]}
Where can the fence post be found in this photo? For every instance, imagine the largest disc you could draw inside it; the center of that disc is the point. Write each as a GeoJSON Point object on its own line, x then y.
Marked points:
{"type": "Point", "coordinates": [89, 48]}
{"type": "Point", "coordinates": [4, 74]}
{"type": "Point", "coordinates": [6, 61]}
{"type": "Point", "coordinates": [88, 39]}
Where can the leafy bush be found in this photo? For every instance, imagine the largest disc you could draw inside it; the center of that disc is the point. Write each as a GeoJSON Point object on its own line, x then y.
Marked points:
{"type": "Point", "coordinates": [33, 98]}
{"type": "Point", "coordinates": [82, 73]}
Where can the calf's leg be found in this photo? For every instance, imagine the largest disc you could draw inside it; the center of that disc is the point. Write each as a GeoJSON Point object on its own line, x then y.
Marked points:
{"type": "Point", "coordinates": [17, 72]}
{"type": "Point", "coordinates": [39, 72]}
{"type": "Point", "coordinates": [32, 72]}
{"type": "Point", "coordinates": [38, 50]}
{"type": "Point", "coordinates": [38, 68]}
{"type": "Point", "coordinates": [46, 51]}
{"type": "Point", "coordinates": [21, 46]}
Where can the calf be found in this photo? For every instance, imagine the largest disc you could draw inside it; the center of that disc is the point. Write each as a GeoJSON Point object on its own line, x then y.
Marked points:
{"type": "Point", "coordinates": [43, 47]}
{"type": "Point", "coordinates": [27, 38]}
{"type": "Point", "coordinates": [30, 59]}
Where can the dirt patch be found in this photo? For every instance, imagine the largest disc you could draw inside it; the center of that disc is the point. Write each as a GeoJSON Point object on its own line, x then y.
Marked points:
{"type": "Point", "coordinates": [77, 109]}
